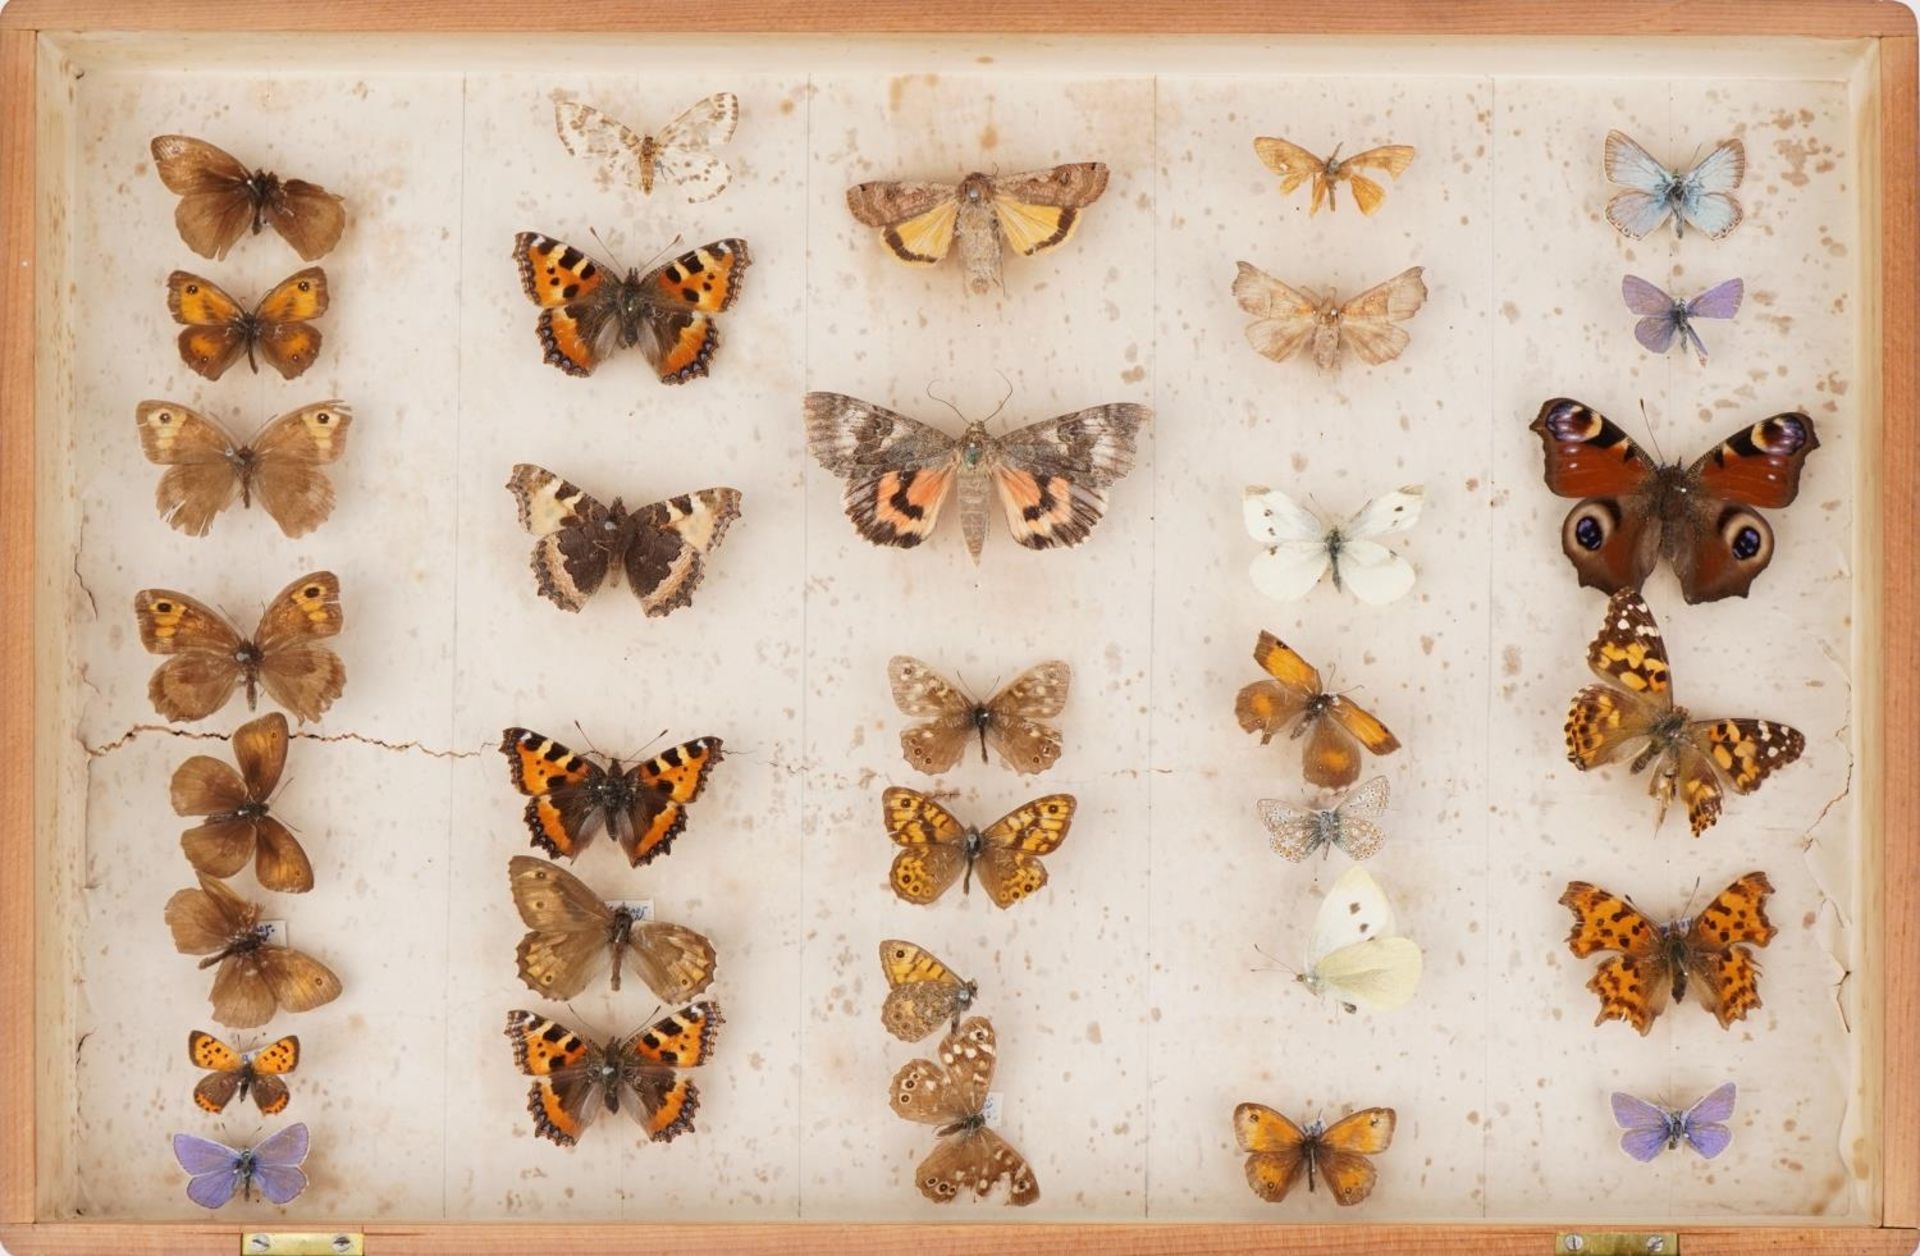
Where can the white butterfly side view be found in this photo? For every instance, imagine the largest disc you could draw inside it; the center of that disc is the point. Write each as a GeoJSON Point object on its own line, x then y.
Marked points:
{"type": "Point", "coordinates": [1296, 832]}
{"type": "Point", "coordinates": [1354, 954]}
{"type": "Point", "coordinates": [681, 154]}
{"type": "Point", "coordinates": [1302, 547]}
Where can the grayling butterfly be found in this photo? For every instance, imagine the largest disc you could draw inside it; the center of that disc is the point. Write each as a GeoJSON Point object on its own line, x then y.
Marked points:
{"type": "Point", "coordinates": [1663, 317]}
{"type": "Point", "coordinates": [1297, 832]}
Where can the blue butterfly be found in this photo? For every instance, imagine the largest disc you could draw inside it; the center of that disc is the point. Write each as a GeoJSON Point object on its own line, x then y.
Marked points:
{"type": "Point", "coordinates": [1663, 317]}
{"type": "Point", "coordinates": [1652, 1128]}
{"type": "Point", "coordinates": [1702, 197]}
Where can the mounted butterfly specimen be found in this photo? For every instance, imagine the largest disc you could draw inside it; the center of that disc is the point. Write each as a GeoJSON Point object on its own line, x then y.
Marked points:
{"type": "Point", "coordinates": [207, 469]}
{"type": "Point", "coordinates": [1710, 954]}
{"type": "Point", "coordinates": [1356, 953]}
{"type": "Point", "coordinates": [217, 1171]}
{"type": "Point", "coordinates": [242, 1073]}
{"type": "Point", "coordinates": [1664, 318]}
{"type": "Point", "coordinates": [1278, 1151]}
{"type": "Point", "coordinates": [1288, 319]}
{"type": "Point", "coordinates": [1296, 832]}
{"type": "Point", "coordinates": [572, 797]}
{"type": "Point", "coordinates": [1050, 478]}
{"type": "Point", "coordinates": [1700, 197]}
{"type": "Point", "coordinates": [681, 154]}
{"type": "Point", "coordinates": [572, 933]}
{"type": "Point", "coordinates": [1652, 1128]}
{"type": "Point", "coordinates": [254, 977]}
{"type": "Point", "coordinates": [1030, 213]}
{"type": "Point", "coordinates": [1011, 721]}
{"type": "Point", "coordinates": [1634, 707]}
{"type": "Point", "coordinates": [239, 825]}
{"type": "Point", "coordinates": [939, 850]}
{"type": "Point", "coordinates": [575, 1080]}
{"type": "Point", "coordinates": [1295, 165]}
{"type": "Point", "coordinates": [662, 548]}
{"type": "Point", "coordinates": [220, 200]}
{"type": "Point", "coordinates": [1337, 727]}
{"type": "Point", "coordinates": [587, 310]}
{"type": "Point", "coordinates": [1705, 518]}
{"type": "Point", "coordinates": [208, 659]}
{"type": "Point", "coordinates": [1302, 547]}
{"type": "Point", "coordinates": [952, 1094]}
{"type": "Point", "coordinates": [219, 329]}
{"type": "Point", "coordinates": [922, 992]}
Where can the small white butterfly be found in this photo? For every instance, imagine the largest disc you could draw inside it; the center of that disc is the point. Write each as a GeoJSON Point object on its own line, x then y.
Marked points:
{"type": "Point", "coordinates": [679, 154]}
{"type": "Point", "coordinates": [1301, 546]}
{"type": "Point", "coordinates": [1702, 197]}
{"type": "Point", "coordinates": [1353, 953]}
{"type": "Point", "coordinates": [1298, 832]}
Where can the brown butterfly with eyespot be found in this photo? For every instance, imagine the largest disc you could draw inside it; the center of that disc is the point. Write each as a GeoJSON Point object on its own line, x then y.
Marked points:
{"type": "Point", "coordinates": [208, 658]}
{"type": "Point", "coordinates": [239, 826]}
{"type": "Point", "coordinates": [952, 1094]}
{"type": "Point", "coordinates": [1295, 696]}
{"type": "Point", "coordinates": [1278, 1150]}
{"type": "Point", "coordinates": [220, 199]}
{"type": "Point", "coordinates": [1009, 721]}
{"type": "Point", "coordinates": [938, 849]}
{"type": "Point", "coordinates": [255, 976]}
{"type": "Point", "coordinates": [922, 992]}
{"type": "Point", "coordinates": [207, 469]}
{"type": "Point", "coordinates": [571, 932]}
{"type": "Point", "coordinates": [1295, 165]}
{"type": "Point", "coordinates": [257, 1072]}
{"type": "Point", "coordinates": [219, 329]}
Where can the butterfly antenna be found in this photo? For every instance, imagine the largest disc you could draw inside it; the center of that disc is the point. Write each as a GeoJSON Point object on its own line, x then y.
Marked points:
{"type": "Point", "coordinates": [649, 744]}
{"type": "Point", "coordinates": [577, 727]}
{"type": "Point", "coordinates": [677, 241]}
{"type": "Point", "coordinates": [1004, 400]}
{"type": "Point", "coordinates": [1276, 964]}
{"type": "Point", "coordinates": [1653, 437]}
{"type": "Point", "coordinates": [943, 401]}
{"type": "Point", "coordinates": [605, 247]}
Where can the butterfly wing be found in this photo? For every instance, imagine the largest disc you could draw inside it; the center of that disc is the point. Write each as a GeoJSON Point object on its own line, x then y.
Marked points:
{"type": "Point", "coordinates": [200, 672]}
{"type": "Point", "coordinates": [1015, 716]}
{"type": "Point", "coordinates": [1633, 983]}
{"type": "Point", "coordinates": [1379, 973]}
{"type": "Point", "coordinates": [215, 335]}
{"type": "Point", "coordinates": [898, 472]}
{"type": "Point", "coordinates": [206, 786]}
{"type": "Point", "coordinates": [561, 1099]}
{"type": "Point", "coordinates": [280, 862]}
{"type": "Point", "coordinates": [677, 332]}
{"type": "Point", "coordinates": [1286, 318]}
{"type": "Point", "coordinates": [307, 216]}
{"type": "Point", "coordinates": [1603, 721]}
{"type": "Point", "coordinates": [288, 457]}
{"type": "Point", "coordinates": [1706, 199]}
{"type": "Point", "coordinates": [976, 1161]}
{"type": "Point", "coordinates": [934, 841]}
{"type": "Point", "coordinates": [1292, 832]}
{"type": "Point", "coordinates": [298, 981]}
{"type": "Point", "coordinates": [667, 556]}
{"type": "Point", "coordinates": [682, 150]}
{"type": "Point", "coordinates": [560, 814]}
{"type": "Point", "coordinates": [1645, 1124]}
{"type": "Point", "coordinates": [1009, 864]}
{"type": "Point", "coordinates": [301, 674]}
{"type": "Point", "coordinates": [276, 1164]}
{"type": "Point", "coordinates": [923, 993]}
{"type": "Point", "coordinates": [916, 220]}
{"type": "Point", "coordinates": [1367, 569]}
{"type": "Point", "coordinates": [956, 1087]}
{"type": "Point", "coordinates": [1267, 707]}
{"type": "Point", "coordinates": [665, 784]}
{"type": "Point", "coordinates": [1354, 911]}
{"type": "Point", "coordinates": [1275, 1147]}
{"type": "Point", "coordinates": [1039, 209]}
{"type": "Point", "coordinates": [577, 327]}
{"type": "Point", "coordinates": [214, 1169]}
{"type": "Point", "coordinates": [1727, 543]}
{"type": "Point", "coordinates": [567, 927]}
{"type": "Point", "coordinates": [1343, 1150]}
{"type": "Point", "coordinates": [1355, 830]}
{"type": "Point", "coordinates": [1367, 322]}
{"type": "Point", "coordinates": [679, 1040]}
{"type": "Point", "coordinates": [226, 1067]}
{"type": "Point", "coordinates": [1297, 553]}
{"type": "Point", "coordinates": [1644, 298]}
{"type": "Point", "coordinates": [674, 961]}
{"type": "Point", "coordinates": [1052, 476]}
{"type": "Point", "coordinates": [937, 744]}
{"type": "Point", "coordinates": [286, 337]}
{"type": "Point", "coordinates": [206, 919]}
{"type": "Point", "coordinates": [1720, 301]}
{"type": "Point", "coordinates": [201, 478]}
{"type": "Point", "coordinates": [269, 1064]}
{"type": "Point", "coordinates": [1294, 164]}
{"type": "Point", "coordinates": [1726, 978]}
{"type": "Point", "coordinates": [1393, 159]}
{"type": "Point", "coordinates": [216, 206]}
{"type": "Point", "coordinates": [1645, 204]}
{"type": "Point", "coordinates": [1704, 1124]}
{"type": "Point", "coordinates": [571, 554]}
{"type": "Point", "coordinates": [586, 132]}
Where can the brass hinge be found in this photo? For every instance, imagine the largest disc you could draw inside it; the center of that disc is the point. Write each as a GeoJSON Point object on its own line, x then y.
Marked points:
{"type": "Point", "coordinates": [1617, 1243]}
{"type": "Point", "coordinates": [302, 1243]}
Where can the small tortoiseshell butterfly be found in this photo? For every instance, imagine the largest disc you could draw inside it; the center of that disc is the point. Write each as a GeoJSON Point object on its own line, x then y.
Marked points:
{"type": "Point", "coordinates": [574, 1080]}
{"type": "Point", "coordinates": [573, 797]}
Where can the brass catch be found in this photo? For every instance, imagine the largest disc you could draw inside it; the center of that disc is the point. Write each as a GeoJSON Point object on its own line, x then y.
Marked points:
{"type": "Point", "coordinates": [302, 1243]}
{"type": "Point", "coordinates": [1617, 1243]}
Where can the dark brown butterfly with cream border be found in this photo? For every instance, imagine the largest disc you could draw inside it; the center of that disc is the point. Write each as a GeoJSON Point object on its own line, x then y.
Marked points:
{"type": "Point", "coordinates": [239, 826]}
{"type": "Point", "coordinates": [254, 976]}
{"type": "Point", "coordinates": [207, 658]}
{"type": "Point", "coordinates": [207, 469]}
{"type": "Point", "coordinates": [952, 1094]}
{"type": "Point", "coordinates": [572, 932]}
{"type": "Point", "coordinates": [1010, 721]}
{"type": "Point", "coordinates": [220, 199]}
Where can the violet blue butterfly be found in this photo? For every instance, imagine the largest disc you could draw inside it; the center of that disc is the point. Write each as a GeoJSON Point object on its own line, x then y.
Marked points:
{"type": "Point", "coordinates": [1651, 1128]}
{"type": "Point", "coordinates": [218, 1170]}
{"type": "Point", "coordinates": [1664, 317]}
